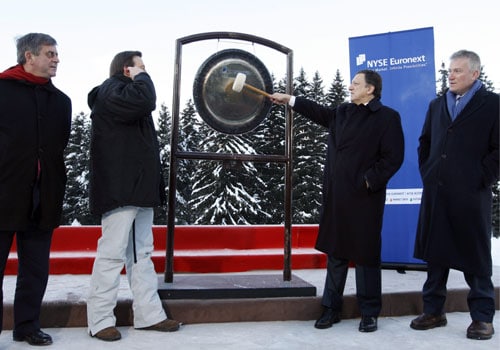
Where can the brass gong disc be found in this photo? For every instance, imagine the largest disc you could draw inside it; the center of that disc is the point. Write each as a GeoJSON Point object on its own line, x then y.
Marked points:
{"type": "Point", "coordinates": [223, 109]}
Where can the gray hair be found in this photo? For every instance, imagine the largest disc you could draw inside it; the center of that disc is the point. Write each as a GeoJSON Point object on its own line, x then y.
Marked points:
{"type": "Point", "coordinates": [33, 43]}
{"type": "Point", "coordinates": [474, 60]}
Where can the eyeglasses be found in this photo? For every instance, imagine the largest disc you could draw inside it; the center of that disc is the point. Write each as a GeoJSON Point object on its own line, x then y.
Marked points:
{"type": "Point", "coordinates": [51, 54]}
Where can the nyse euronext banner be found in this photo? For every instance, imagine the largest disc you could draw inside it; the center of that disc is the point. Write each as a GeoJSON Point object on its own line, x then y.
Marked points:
{"type": "Point", "coordinates": [405, 60]}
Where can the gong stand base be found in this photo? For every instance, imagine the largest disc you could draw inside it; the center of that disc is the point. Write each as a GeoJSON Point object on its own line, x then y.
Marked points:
{"type": "Point", "coordinates": [228, 286]}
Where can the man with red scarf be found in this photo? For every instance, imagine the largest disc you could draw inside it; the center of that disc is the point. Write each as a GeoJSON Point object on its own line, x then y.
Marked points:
{"type": "Point", "coordinates": [35, 122]}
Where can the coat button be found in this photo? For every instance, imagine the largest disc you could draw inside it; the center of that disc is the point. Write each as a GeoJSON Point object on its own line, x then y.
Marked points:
{"type": "Point", "coordinates": [443, 156]}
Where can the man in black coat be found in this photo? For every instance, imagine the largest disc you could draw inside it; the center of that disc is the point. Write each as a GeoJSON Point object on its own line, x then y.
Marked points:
{"type": "Point", "coordinates": [365, 149]}
{"type": "Point", "coordinates": [35, 122]}
{"type": "Point", "coordinates": [126, 182]}
{"type": "Point", "coordinates": [458, 161]}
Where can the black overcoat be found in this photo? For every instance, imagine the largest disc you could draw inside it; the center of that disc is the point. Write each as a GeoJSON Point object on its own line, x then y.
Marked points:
{"type": "Point", "coordinates": [365, 143]}
{"type": "Point", "coordinates": [124, 151]}
{"type": "Point", "coordinates": [35, 123]}
{"type": "Point", "coordinates": [458, 164]}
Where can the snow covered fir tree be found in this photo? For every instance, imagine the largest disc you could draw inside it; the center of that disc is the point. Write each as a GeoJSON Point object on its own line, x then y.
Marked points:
{"type": "Point", "coordinates": [235, 193]}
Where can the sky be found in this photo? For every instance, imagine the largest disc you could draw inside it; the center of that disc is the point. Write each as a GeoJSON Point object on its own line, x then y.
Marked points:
{"type": "Point", "coordinates": [89, 33]}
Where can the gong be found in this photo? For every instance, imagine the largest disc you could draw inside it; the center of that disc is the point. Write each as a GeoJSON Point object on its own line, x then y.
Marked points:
{"type": "Point", "coordinates": [224, 109]}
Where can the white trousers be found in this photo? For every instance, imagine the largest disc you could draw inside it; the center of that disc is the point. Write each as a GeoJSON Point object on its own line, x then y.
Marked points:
{"type": "Point", "coordinates": [114, 249]}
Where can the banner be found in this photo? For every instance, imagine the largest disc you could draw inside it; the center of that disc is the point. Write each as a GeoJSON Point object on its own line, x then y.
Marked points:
{"type": "Point", "coordinates": [405, 60]}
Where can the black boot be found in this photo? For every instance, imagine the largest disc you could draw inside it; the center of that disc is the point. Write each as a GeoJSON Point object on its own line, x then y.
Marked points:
{"type": "Point", "coordinates": [327, 319]}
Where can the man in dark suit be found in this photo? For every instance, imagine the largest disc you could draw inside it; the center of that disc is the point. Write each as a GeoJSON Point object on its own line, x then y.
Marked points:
{"type": "Point", "coordinates": [365, 149]}
{"type": "Point", "coordinates": [35, 123]}
{"type": "Point", "coordinates": [458, 161]}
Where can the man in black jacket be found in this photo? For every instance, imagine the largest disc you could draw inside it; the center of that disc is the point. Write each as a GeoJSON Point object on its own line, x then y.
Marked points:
{"type": "Point", "coordinates": [458, 157]}
{"type": "Point", "coordinates": [125, 184]}
{"type": "Point", "coordinates": [365, 149]}
{"type": "Point", "coordinates": [35, 122]}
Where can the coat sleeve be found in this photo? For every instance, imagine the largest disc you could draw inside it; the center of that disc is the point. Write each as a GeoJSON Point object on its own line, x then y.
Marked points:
{"type": "Point", "coordinates": [132, 100]}
{"type": "Point", "coordinates": [311, 110]}
{"type": "Point", "coordinates": [491, 163]}
{"type": "Point", "coordinates": [424, 141]}
{"type": "Point", "coordinates": [391, 154]}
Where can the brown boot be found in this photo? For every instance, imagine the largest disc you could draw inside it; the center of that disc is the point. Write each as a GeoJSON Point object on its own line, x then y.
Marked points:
{"type": "Point", "coordinates": [163, 326]}
{"type": "Point", "coordinates": [480, 330]}
{"type": "Point", "coordinates": [108, 334]}
{"type": "Point", "coordinates": [426, 321]}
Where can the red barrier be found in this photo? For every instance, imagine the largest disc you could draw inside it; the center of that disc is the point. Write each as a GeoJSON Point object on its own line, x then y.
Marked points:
{"type": "Point", "coordinates": [196, 248]}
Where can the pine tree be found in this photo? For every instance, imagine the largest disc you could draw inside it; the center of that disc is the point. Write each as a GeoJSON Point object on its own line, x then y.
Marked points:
{"type": "Point", "coordinates": [484, 78]}
{"type": "Point", "coordinates": [164, 122]}
{"type": "Point", "coordinates": [76, 203]}
{"type": "Point", "coordinates": [309, 148]}
{"type": "Point", "coordinates": [272, 142]}
{"type": "Point", "coordinates": [226, 193]}
{"type": "Point", "coordinates": [338, 92]}
{"type": "Point", "coordinates": [190, 139]}
{"type": "Point", "coordinates": [443, 80]}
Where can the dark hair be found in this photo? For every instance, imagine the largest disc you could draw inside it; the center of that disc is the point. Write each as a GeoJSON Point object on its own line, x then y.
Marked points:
{"type": "Point", "coordinates": [374, 79]}
{"type": "Point", "coordinates": [122, 59]}
{"type": "Point", "coordinates": [33, 43]}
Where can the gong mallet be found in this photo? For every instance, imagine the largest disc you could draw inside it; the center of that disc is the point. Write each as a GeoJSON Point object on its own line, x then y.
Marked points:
{"type": "Point", "coordinates": [239, 84]}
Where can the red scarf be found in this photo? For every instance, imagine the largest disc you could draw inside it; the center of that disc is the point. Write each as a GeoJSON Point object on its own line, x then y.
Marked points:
{"type": "Point", "coordinates": [18, 73]}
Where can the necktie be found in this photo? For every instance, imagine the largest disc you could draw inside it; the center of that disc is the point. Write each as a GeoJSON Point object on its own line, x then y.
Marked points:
{"type": "Point", "coordinates": [455, 110]}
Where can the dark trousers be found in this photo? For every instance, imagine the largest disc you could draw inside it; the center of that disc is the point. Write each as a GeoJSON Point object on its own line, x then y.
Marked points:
{"type": "Point", "coordinates": [33, 249]}
{"type": "Point", "coordinates": [368, 286]}
{"type": "Point", "coordinates": [481, 297]}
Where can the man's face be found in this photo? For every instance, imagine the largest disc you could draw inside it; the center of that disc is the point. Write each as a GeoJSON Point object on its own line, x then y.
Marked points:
{"type": "Point", "coordinates": [45, 63]}
{"type": "Point", "coordinates": [461, 77]}
{"type": "Point", "coordinates": [360, 91]}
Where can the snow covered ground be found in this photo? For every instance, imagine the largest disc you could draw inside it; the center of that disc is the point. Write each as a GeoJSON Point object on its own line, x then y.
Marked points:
{"type": "Point", "coordinates": [393, 332]}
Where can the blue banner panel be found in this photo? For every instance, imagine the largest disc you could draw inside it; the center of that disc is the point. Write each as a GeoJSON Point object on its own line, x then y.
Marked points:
{"type": "Point", "coordinates": [405, 60]}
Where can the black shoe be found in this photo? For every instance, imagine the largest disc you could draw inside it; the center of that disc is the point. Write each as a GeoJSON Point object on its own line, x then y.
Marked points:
{"type": "Point", "coordinates": [480, 330]}
{"type": "Point", "coordinates": [36, 338]}
{"type": "Point", "coordinates": [427, 321]}
{"type": "Point", "coordinates": [327, 319]}
{"type": "Point", "coordinates": [368, 324]}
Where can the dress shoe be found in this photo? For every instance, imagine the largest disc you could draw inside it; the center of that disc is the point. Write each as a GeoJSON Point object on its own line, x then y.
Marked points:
{"type": "Point", "coordinates": [163, 326]}
{"type": "Point", "coordinates": [36, 338]}
{"type": "Point", "coordinates": [108, 334]}
{"type": "Point", "coordinates": [480, 330]}
{"type": "Point", "coordinates": [327, 319]}
{"type": "Point", "coordinates": [427, 321]}
{"type": "Point", "coordinates": [368, 324]}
